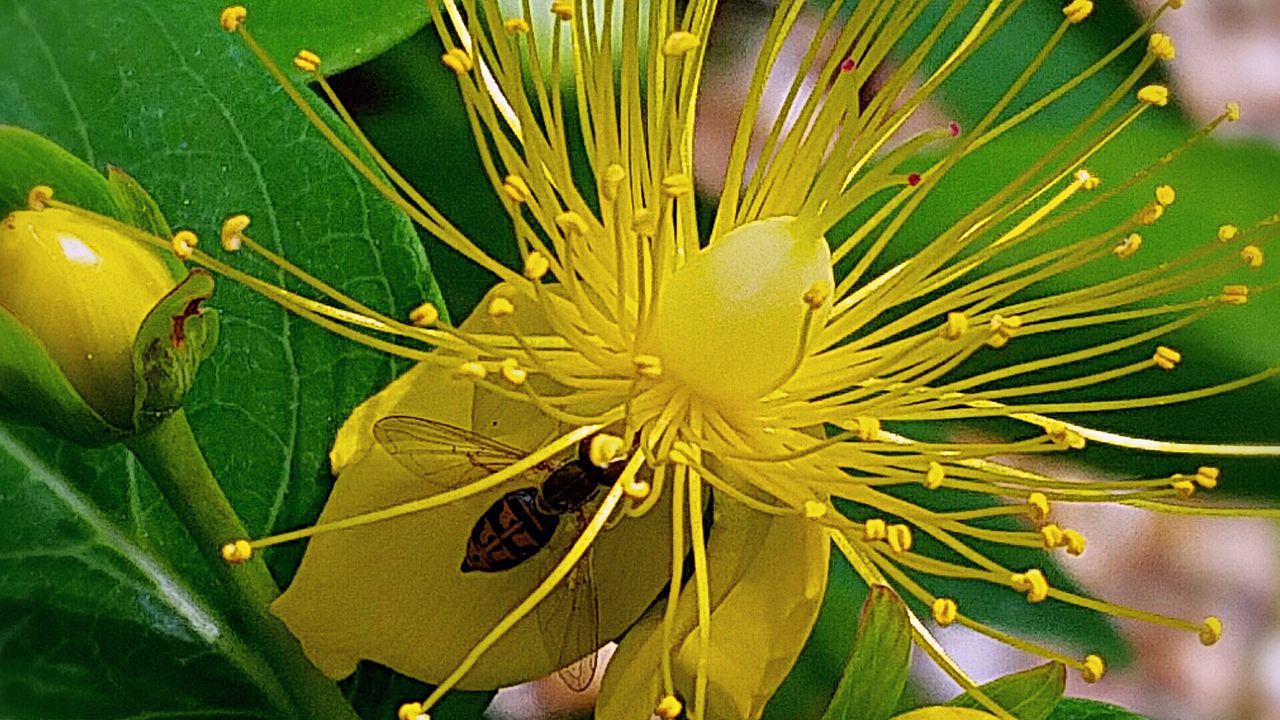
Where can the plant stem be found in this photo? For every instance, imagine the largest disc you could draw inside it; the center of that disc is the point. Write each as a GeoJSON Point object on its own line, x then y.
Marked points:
{"type": "Point", "coordinates": [172, 457]}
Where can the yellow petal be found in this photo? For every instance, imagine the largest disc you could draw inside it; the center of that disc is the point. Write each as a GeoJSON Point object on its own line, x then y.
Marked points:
{"type": "Point", "coordinates": [393, 592]}
{"type": "Point", "coordinates": [767, 576]}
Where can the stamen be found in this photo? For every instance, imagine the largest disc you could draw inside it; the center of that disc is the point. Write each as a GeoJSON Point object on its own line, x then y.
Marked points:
{"type": "Point", "coordinates": [1211, 632]}
{"type": "Point", "coordinates": [935, 476]}
{"type": "Point", "coordinates": [410, 711]}
{"type": "Point", "coordinates": [669, 708]}
{"type": "Point", "coordinates": [457, 60]}
{"type": "Point", "coordinates": [184, 244]}
{"type": "Point", "coordinates": [1252, 256]}
{"type": "Point", "coordinates": [237, 552]}
{"type": "Point", "coordinates": [1227, 233]}
{"type": "Point", "coordinates": [1128, 247]}
{"type": "Point", "coordinates": [516, 189]}
{"type": "Point", "coordinates": [425, 315]}
{"type": "Point", "coordinates": [232, 17]}
{"type": "Point", "coordinates": [38, 197]}
{"type": "Point", "coordinates": [606, 449]}
{"type": "Point", "coordinates": [680, 42]}
{"type": "Point", "coordinates": [1093, 670]}
{"type": "Point", "coordinates": [945, 611]}
{"type": "Point", "coordinates": [536, 266]}
{"type": "Point", "coordinates": [1077, 11]}
{"type": "Point", "coordinates": [1161, 46]}
{"type": "Point", "coordinates": [1031, 582]}
{"type": "Point", "coordinates": [232, 234]}
{"type": "Point", "coordinates": [1167, 358]}
{"type": "Point", "coordinates": [307, 61]}
{"type": "Point", "coordinates": [1157, 95]}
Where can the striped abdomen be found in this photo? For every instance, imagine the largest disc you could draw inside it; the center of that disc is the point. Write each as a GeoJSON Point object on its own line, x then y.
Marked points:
{"type": "Point", "coordinates": [511, 531]}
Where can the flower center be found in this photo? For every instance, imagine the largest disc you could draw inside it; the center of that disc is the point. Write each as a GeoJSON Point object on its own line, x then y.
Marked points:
{"type": "Point", "coordinates": [733, 322]}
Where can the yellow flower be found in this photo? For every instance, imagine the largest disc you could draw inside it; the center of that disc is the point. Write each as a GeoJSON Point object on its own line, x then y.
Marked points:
{"type": "Point", "coordinates": [758, 393]}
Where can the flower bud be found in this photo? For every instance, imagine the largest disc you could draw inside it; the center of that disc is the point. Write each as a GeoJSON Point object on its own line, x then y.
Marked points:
{"type": "Point", "coordinates": [100, 337]}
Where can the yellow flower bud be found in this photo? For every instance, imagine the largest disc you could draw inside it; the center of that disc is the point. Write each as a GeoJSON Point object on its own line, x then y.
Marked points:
{"type": "Point", "coordinates": [75, 296]}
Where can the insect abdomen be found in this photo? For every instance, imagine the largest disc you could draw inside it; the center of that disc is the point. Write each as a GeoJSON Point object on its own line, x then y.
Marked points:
{"type": "Point", "coordinates": [511, 531]}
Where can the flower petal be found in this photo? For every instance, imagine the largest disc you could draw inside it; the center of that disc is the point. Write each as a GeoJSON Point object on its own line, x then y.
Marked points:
{"type": "Point", "coordinates": [767, 576]}
{"type": "Point", "coordinates": [393, 591]}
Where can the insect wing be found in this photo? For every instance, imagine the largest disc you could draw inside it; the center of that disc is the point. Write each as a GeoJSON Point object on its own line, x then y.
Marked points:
{"type": "Point", "coordinates": [570, 621]}
{"type": "Point", "coordinates": [433, 449]}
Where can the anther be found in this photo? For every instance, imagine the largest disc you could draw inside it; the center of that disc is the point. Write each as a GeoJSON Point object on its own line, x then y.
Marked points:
{"type": "Point", "coordinates": [562, 10]}
{"type": "Point", "coordinates": [874, 530]}
{"type": "Point", "coordinates": [1157, 95]}
{"type": "Point", "coordinates": [307, 61]}
{"type": "Point", "coordinates": [1093, 669]}
{"type": "Point", "coordinates": [1150, 213]}
{"type": "Point", "coordinates": [866, 428]}
{"type": "Point", "coordinates": [1052, 536]}
{"type": "Point", "coordinates": [645, 222]}
{"type": "Point", "coordinates": [934, 476]}
{"type": "Point", "coordinates": [237, 552]}
{"type": "Point", "coordinates": [1234, 295]}
{"type": "Point", "coordinates": [536, 266]}
{"type": "Point", "coordinates": [1032, 583]}
{"type": "Point", "coordinates": [512, 372]}
{"type": "Point", "coordinates": [472, 370]}
{"type": "Point", "coordinates": [677, 185]}
{"type": "Point", "coordinates": [1088, 181]}
{"type": "Point", "coordinates": [1252, 256]}
{"type": "Point", "coordinates": [425, 315]}
{"type": "Point", "coordinates": [1165, 195]}
{"type": "Point", "coordinates": [516, 189]}
{"type": "Point", "coordinates": [954, 128]}
{"type": "Point", "coordinates": [669, 708]}
{"type": "Point", "coordinates": [945, 611]}
{"type": "Point", "coordinates": [1184, 488]}
{"type": "Point", "coordinates": [606, 449]}
{"type": "Point", "coordinates": [1161, 46]}
{"type": "Point", "coordinates": [457, 60]}
{"type": "Point", "coordinates": [1077, 11]}
{"type": "Point", "coordinates": [38, 197]}
{"type": "Point", "coordinates": [1227, 233]}
{"type": "Point", "coordinates": [679, 42]}
{"type": "Point", "coordinates": [410, 711]}
{"type": "Point", "coordinates": [1128, 247]}
{"type": "Point", "coordinates": [184, 243]}
{"type": "Point", "coordinates": [1166, 358]}
{"type": "Point", "coordinates": [500, 308]}
{"type": "Point", "coordinates": [899, 538]}
{"type": "Point", "coordinates": [649, 366]}
{"type": "Point", "coordinates": [848, 65]}
{"type": "Point", "coordinates": [1003, 329]}
{"type": "Point", "coordinates": [232, 234]}
{"type": "Point", "coordinates": [955, 327]}
{"type": "Point", "coordinates": [571, 223]}
{"type": "Point", "coordinates": [611, 181]}
{"type": "Point", "coordinates": [1207, 477]}
{"type": "Point", "coordinates": [637, 490]}
{"type": "Point", "coordinates": [232, 17]}
{"type": "Point", "coordinates": [1064, 435]}
{"type": "Point", "coordinates": [1210, 631]}
{"type": "Point", "coordinates": [516, 25]}
{"type": "Point", "coordinates": [1233, 111]}
{"type": "Point", "coordinates": [814, 509]}
{"type": "Point", "coordinates": [1174, 4]}
{"type": "Point", "coordinates": [816, 296]}
{"type": "Point", "coordinates": [913, 179]}
{"type": "Point", "coordinates": [1039, 505]}
{"type": "Point", "coordinates": [1074, 541]}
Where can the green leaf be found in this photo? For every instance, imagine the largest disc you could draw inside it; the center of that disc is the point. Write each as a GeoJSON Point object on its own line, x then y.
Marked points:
{"type": "Point", "coordinates": [1027, 695]}
{"type": "Point", "coordinates": [941, 712]}
{"type": "Point", "coordinates": [1073, 709]}
{"type": "Point", "coordinates": [344, 33]}
{"type": "Point", "coordinates": [110, 609]}
{"type": "Point", "coordinates": [876, 673]}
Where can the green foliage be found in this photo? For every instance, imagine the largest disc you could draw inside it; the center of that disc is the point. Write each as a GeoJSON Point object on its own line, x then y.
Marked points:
{"type": "Point", "coordinates": [110, 609]}
{"type": "Point", "coordinates": [876, 672]}
{"type": "Point", "coordinates": [1028, 695]}
{"type": "Point", "coordinates": [1072, 709]}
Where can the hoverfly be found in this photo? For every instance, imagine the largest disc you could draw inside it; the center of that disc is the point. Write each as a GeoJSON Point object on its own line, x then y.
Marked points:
{"type": "Point", "coordinates": [519, 524]}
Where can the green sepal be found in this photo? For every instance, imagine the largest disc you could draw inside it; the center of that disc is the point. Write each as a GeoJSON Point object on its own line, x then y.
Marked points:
{"type": "Point", "coordinates": [33, 389]}
{"type": "Point", "coordinates": [876, 673]}
{"type": "Point", "coordinates": [175, 337]}
{"type": "Point", "coordinates": [1027, 695]}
